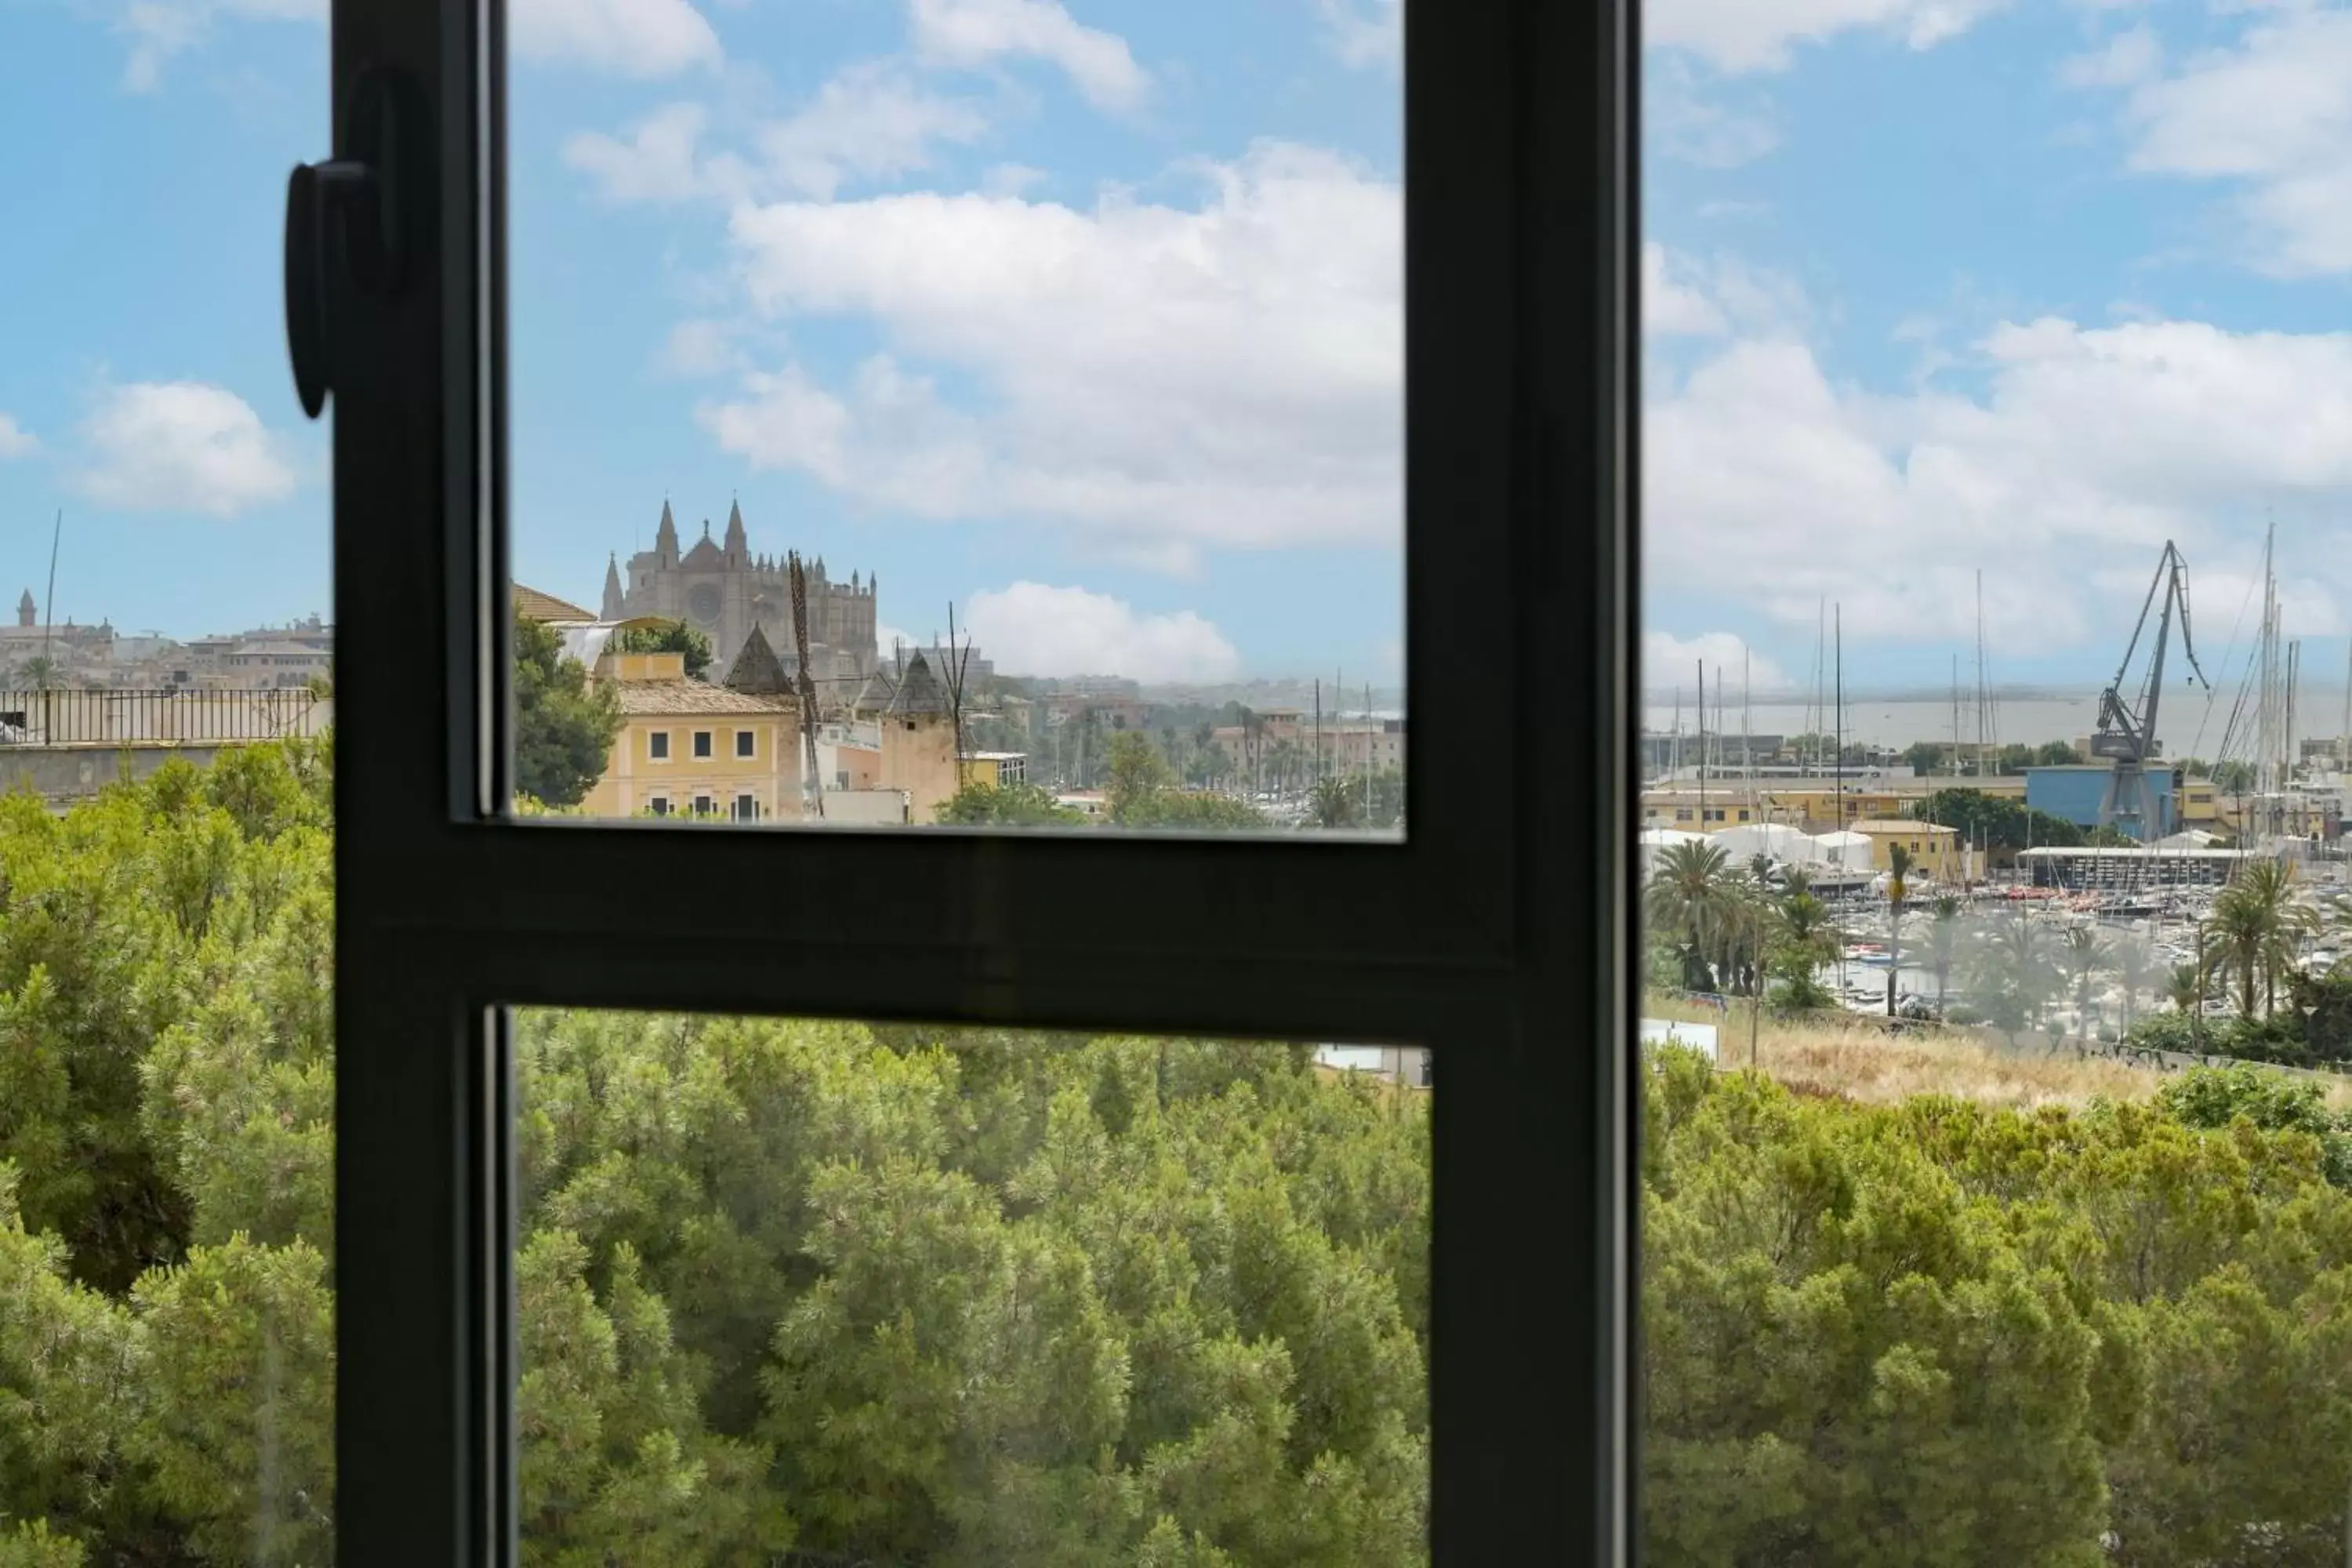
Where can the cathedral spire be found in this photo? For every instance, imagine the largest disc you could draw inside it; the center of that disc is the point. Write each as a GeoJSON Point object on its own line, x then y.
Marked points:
{"type": "Point", "coordinates": [613, 608]}
{"type": "Point", "coordinates": [665, 536]}
{"type": "Point", "coordinates": [737, 546]}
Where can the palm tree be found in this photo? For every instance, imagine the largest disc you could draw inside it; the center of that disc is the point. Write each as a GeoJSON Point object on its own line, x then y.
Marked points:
{"type": "Point", "coordinates": [2084, 954]}
{"type": "Point", "coordinates": [2260, 926]}
{"type": "Point", "coordinates": [2011, 967]}
{"type": "Point", "coordinates": [1898, 889]}
{"type": "Point", "coordinates": [1690, 898]}
{"type": "Point", "coordinates": [2136, 972]}
{"type": "Point", "coordinates": [1943, 943]}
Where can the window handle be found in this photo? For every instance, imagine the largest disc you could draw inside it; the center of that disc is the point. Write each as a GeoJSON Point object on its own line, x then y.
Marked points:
{"type": "Point", "coordinates": [352, 219]}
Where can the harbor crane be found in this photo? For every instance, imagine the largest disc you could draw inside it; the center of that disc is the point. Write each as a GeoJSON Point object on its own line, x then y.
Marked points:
{"type": "Point", "coordinates": [2126, 730]}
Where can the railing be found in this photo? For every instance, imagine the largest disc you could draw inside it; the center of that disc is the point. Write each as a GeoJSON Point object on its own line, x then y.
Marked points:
{"type": "Point", "coordinates": [73, 716]}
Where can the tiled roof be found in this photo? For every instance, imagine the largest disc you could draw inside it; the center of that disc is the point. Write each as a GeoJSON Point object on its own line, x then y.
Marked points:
{"type": "Point", "coordinates": [685, 699]}
{"type": "Point", "coordinates": [534, 606]}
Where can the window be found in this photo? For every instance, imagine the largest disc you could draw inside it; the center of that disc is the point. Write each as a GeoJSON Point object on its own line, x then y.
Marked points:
{"type": "Point", "coordinates": [169, 1198]}
{"type": "Point", "coordinates": [1862, 1048]}
{"type": "Point", "coordinates": [1487, 934]}
{"type": "Point", "coordinates": [702, 743]}
{"type": "Point", "coordinates": [1080, 539]}
{"type": "Point", "coordinates": [744, 743]}
{"type": "Point", "coordinates": [657, 745]}
{"type": "Point", "coordinates": [658, 805]}
{"type": "Point", "coordinates": [702, 805]}
{"type": "Point", "coordinates": [747, 809]}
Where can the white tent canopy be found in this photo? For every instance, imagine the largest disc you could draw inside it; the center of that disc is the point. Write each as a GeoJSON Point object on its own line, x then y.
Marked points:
{"type": "Point", "coordinates": [1776, 839]}
{"type": "Point", "coordinates": [1841, 847]}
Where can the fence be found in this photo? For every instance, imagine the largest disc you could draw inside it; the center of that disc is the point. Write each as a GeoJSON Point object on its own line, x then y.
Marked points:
{"type": "Point", "coordinates": [66, 716]}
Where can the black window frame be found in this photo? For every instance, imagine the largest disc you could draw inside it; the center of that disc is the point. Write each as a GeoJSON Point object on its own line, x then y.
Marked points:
{"type": "Point", "coordinates": [657, 745]}
{"type": "Point", "coordinates": [747, 743]}
{"type": "Point", "coordinates": [705, 744]}
{"type": "Point", "coordinates": [1495, 934]}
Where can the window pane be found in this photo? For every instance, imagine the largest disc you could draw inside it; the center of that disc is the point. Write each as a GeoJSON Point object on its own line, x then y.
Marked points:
{"type": "Point", "coordinates": [1994, 1209]}
{"type": "Point", "coordinates": [167, 1050]}
{"type": "Point", "coordinates": [893, 1294]}
{"type": "Point", "coordinates": [1078, 321]}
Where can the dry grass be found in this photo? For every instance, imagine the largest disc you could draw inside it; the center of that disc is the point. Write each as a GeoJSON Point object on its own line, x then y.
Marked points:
{"type": "Point", "coordinates": [1860, 1061]}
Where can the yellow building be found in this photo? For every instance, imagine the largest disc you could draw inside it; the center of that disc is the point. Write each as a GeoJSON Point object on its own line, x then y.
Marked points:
{"type": "Point", "coordinates": [1935, 849]}
{"type": "Point", "coordinates": [688, 748]}
{"type": "Point", "coordinates": [1813, 804]}
{"type": "Point", "coordinates": [996, 769]}
{"type": "Point", "coordinates": [2201, 804]}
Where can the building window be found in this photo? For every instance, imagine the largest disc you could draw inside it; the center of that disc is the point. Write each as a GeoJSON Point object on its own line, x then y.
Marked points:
{"type": "Point", "coordinates": [702, 806]}
{"type": "Point", "coordinates": [702, 743]}
{"type": "Point", "coordinates": [747, 809]}
{"type": "Point", "coordinates": [658, 805]}
{"type": "Point", "coordinates": [657, 745]}
{"type": "Point", "coordinates": [745, 746]}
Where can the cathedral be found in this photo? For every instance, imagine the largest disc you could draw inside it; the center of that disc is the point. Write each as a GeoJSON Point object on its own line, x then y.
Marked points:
{"type": "Point", "coordinates": [722, 590]}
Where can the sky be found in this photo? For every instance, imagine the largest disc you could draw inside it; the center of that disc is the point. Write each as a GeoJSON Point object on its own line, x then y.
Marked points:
{"type": "Point", "coordinates": [1943, 287]}
{"type": "Point", "coordinates": [1083, 316]}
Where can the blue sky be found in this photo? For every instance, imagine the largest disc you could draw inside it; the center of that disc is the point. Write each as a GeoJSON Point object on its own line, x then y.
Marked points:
{"type": "Point", "coordinates": [1083, 316]}
{"type": "Point", "coordinates": [1949, 286]}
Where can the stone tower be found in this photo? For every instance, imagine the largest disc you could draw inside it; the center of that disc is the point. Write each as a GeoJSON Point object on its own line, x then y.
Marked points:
{"type": "Point", "coordinates": [725, 590]}
{"type": "Point", "coordinates": [27, 613]}
{"type": "Point", "coordinates": [613, 609]}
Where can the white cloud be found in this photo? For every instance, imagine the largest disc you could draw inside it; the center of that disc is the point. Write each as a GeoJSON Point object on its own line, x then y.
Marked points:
{"type": "Point", "coordinates": [1159, 378]}
{"type": "Point", "coordinates": [1666, 659]}
{"type": "Point", "coordinates": [158, 29]}
{"type": "Point", "coordinates": [15, 441]}
{"type": "Point", "coordinates": [658, 161]}
{"type": "Point", "coordinates": [968, 33]}
{"type": "Point", "coordinates": [2273, 115]}
{"type": "Point", "coordinates": [1365, 32]}
{"type": "Point", "coordinates": [180, 445]}
{"type": "Point", "coordinates": [1768, 482]}
{"type": "Point", "coordinates": [1671, 307]}
{"type": "Point", "coordinates": [1031, 628]}
{"type": "Point", "coordinates": [1709, 123]}
{"type": "Point", "coordinates": [700, 347]}
{"type": "Point", "coordinates": [625, 38]}
{"type": "Point", "coordinates": [1736, 35]}
{"type": "Point", "coordinates": [2130, 57]}
{"type": "Point", "coordinates": [870, 121]}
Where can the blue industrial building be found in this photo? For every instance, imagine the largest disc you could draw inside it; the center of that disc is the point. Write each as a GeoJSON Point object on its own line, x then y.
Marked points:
{"type": "Point", "coordinates": [2074, 794]}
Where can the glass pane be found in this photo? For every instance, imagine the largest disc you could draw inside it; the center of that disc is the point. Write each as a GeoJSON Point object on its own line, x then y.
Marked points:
{"type": "Point", "coordinates": [1079, 321]}
{"type": "Point", "coordinates": [891, 1294]}
{"type": "Point", "coordinates": [1997, 1200]}
{"type": "Point", "coordinates": [166, 1049]}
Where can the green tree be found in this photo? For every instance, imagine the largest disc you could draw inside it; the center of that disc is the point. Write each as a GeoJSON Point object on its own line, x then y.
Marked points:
{"type": "Point", "coordinates": [1898, 895]}
{"type": "Point", "coordinates": [1689, 898]}
{"type": "Point", "coordinates": [2013, 973]}
{"type": "Point", "coordinates": [1005, 805]}
{"type": "Point", "coordinates": [1943, 943]}
{"type": "Point", "coordinates": [2259, 924]}
{"type": "Point", "coordinates": [2083, 954]}
{"type": "Point", "coordinates": [1338, 802]}
{"type": "Point", "coordinates": [564, 723]}
{"type": "Point", "coordinates": [670, 636]}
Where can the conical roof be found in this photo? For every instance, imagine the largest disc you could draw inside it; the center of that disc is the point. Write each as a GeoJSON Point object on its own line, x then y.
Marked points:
{"type": "Point", "coordinates": [920, 690]}
{"type": "Point", "coordinates": [757, 668]}
{"type": "Point", "coordinates": [874, 696]}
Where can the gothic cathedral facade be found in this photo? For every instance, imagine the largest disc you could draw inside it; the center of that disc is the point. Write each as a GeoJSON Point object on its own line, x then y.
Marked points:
{"type": "Point", "coordinates": [722, 590]}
